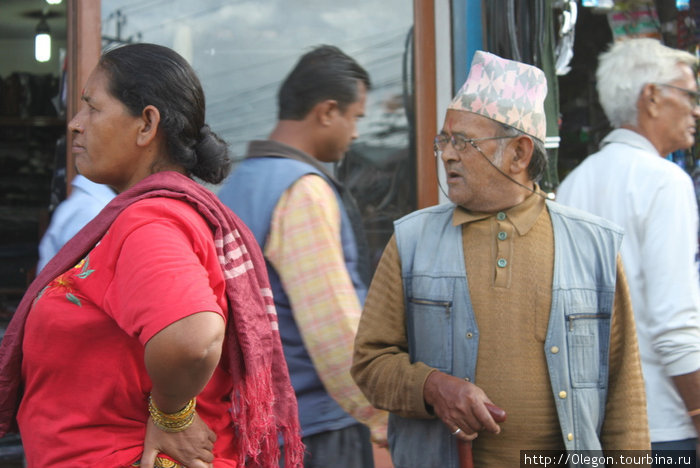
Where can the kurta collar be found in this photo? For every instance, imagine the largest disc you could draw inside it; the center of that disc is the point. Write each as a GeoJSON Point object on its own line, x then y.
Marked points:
{"type": "Point", "coordinates": [631, 138]}
{"type": "Point", "coordinates": [522, 216]}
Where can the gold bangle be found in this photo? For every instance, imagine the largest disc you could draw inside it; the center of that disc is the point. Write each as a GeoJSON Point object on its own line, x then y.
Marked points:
{"type": "Point", "coordinates": [161, 462]}
{"type": "Point", "coordinates": [173, 422]}
{"type": "Point", "coordinates": [693, 413]}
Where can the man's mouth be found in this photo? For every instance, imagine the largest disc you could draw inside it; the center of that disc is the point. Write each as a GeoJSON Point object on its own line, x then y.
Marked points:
{"type": "Point", "coordinates": [453, 174]}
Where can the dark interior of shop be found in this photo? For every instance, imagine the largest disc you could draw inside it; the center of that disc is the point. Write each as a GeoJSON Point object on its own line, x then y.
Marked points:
{"type": "Point", "coordinates": [583, 123]}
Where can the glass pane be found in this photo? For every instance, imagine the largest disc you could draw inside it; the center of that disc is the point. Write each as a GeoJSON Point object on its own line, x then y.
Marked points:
{"type": "Point", "coordinates": [242, 50]}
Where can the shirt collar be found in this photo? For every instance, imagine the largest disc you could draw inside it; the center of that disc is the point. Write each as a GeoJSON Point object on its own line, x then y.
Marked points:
{"type": "Point", "coordinates": [522, 216]}
{"type": "Point", "coordinates": [631, 138]}
{"type": "Point", "coordinates": [276, 149]}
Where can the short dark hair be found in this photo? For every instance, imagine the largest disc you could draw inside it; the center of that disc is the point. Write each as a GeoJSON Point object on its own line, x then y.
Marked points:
{"type": "Point", "coordinates": [538, 162]}
{"type": "Point", "coordinates": [326, 72]}
{"type": "Point", "coordinates": [148, 74]}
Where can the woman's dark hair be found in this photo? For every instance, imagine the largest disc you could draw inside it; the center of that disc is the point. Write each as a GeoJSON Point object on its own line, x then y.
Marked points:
{"type": "Point", "coordinates": [147, 74]}
{"type": "Point", "coordinates": [323, 73]}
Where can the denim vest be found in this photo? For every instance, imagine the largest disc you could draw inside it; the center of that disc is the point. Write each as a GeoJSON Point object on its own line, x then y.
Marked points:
{"type": "Point", "coordinates": [442, 330]}
{"type": "Point", "coordinates": [252, 192]}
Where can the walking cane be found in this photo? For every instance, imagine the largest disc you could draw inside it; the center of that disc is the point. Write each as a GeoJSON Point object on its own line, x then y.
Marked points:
{"type": "Point", "coordinates": [464, 448]}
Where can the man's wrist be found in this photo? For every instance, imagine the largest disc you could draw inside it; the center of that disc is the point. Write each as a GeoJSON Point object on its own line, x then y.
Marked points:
{"type": "Point", "coordinates": [430, 387]}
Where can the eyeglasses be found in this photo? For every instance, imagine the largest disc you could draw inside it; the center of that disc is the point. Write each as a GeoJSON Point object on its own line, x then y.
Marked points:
{"type": "Point", "coordinates": [459, 142]}
{"type": "Point", "coordinates": [693, 96]}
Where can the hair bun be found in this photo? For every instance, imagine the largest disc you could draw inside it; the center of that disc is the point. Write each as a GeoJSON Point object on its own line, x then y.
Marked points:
{"type": "Point", "coordinates": [212, 155]}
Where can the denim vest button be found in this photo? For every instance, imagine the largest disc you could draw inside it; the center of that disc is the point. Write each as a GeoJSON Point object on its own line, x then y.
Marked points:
{"type": "Point", "coordinates": [500, 216]}
{"type": "Point", "coordinates": [470, 335]}
{"type": "Point", "coordinates": [570, 436]}
{"type": "Point", "coordinates": [562, 394]}
{"type": "Point", "coordinates": [554, 349]}
{"type": "Point", "coordinates": [502, 235]}
{"type": "Point", "coordinates": [502, 262]}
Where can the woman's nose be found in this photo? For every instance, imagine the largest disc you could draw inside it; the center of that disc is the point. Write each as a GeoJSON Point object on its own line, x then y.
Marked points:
{"type": "Point", "coordinates": [74, 124]}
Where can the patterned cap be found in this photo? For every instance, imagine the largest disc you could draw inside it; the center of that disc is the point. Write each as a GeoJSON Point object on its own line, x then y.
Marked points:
{"type": "Point", "coordinates": [505, 91]}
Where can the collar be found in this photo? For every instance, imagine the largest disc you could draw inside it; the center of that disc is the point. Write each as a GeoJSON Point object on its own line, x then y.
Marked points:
{"type": "Point", "coordinates": [630, 138]}
{"type": "Point", "coordinates": [100, 191]}
{"type": "Point", "coordinates": [275, 149]}
{"type": "Point", "coordinates": [522, 216]}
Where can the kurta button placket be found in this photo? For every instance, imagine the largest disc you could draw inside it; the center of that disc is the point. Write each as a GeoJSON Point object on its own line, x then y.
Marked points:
{"type": "Point", "coordinates": [504, 233]}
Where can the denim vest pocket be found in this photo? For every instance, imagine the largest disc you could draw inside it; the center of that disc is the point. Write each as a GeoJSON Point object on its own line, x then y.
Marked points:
{"type": "Point", "coordinates": [430, 332]}
{"type": "Point", "coordinates": [587, 336]}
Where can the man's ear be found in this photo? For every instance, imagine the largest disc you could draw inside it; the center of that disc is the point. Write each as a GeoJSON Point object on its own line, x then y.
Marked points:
{"type": "Point", "coordinates": [325, 110]}
{"type": "Point", "coordinates": [148, 127]}
{"type": "Point", "coordinates": [648, 99]}
{"type": "Point", "coordinates": [522, 147]}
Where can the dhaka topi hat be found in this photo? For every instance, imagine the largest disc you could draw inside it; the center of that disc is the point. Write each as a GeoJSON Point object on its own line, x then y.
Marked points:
{"type": "Point", "coordinates": [506, 91]}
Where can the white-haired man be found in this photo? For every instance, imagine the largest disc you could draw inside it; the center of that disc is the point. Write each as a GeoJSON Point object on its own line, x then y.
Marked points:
{"type": "Point", "coordinates": [649, 93]}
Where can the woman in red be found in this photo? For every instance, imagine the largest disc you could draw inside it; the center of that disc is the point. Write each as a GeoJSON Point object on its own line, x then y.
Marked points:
{"type": "Point", "coordinates": [151, 337]}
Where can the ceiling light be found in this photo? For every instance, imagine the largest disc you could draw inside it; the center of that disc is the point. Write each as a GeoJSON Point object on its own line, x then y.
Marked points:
{"type": "Point", "coordinates": [53, 2]}
{"type": "Point", "coordinates": [42, 42]}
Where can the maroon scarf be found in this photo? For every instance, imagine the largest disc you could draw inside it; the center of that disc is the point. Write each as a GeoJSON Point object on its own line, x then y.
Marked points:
{"type": "Point", "coordinates": [263, 400]}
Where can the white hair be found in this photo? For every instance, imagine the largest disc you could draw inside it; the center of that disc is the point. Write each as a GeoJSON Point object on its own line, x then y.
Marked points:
{"type": "Point", "coordinates": [627, 67]}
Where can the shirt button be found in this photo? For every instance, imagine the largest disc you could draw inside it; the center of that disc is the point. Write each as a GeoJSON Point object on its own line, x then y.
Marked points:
{"type": "Point", "coordinates": [502, 262]}
{"type": "Point", "coordinates": [562, 394]}
{"type": "Point", "coordinates": [500, 216]}
{"type": "Point", "coordinates": [467, 379]}
{"type": "Point", "coordinates": [570, 436]}
{"type": "Point", "coordinates": [502, 235]}
{"type": "Point", "coordinates": [470, 335]}
{"type": "Point", "coordinates": [554, 349]}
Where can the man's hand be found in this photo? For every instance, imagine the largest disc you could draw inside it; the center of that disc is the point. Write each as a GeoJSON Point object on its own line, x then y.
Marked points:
{"type": "Point", "coordinates": [460, 405]}
{"type": "Point", "coordinates": [192, 447]}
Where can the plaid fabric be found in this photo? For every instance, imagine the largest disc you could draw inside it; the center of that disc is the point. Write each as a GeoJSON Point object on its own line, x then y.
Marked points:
{"type": "Point", "coordinates": [304, 246]}
{"type": "Point", "coordinates": [263, 400]}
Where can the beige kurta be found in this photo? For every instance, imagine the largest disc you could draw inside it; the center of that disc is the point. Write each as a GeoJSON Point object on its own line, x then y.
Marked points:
{"type": "Point", "coordinates": [509, 262]}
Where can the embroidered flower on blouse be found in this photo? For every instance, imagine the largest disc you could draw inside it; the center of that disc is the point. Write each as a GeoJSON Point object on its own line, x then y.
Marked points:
{"type": "Point", "coordinates": [66, 281]}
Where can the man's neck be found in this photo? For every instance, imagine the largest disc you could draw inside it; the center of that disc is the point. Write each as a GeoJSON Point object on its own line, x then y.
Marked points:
{"type": "Point", "coordinates": [294, 133]}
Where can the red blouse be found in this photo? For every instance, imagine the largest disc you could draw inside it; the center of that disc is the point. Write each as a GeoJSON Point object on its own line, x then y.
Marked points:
{"type": "Point", "coordinates": [85, 382]}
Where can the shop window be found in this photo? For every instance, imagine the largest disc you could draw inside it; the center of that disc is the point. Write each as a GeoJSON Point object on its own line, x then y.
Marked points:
{"type": "Point", "coordinates": [242, 51]}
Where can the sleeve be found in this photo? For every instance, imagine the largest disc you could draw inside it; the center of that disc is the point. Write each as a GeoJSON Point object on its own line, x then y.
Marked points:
{"type": "Point", "coordinates": [70, 216]}
{"type": "Point", "coordinates": [158, 278]}
{"type": "Point", "coordinates": [305, 248]}
{"type": "Point", "coordinates": [382, 366]}
{"type": "Point", "coordinates": [625, 426]}
{"type": "Point", "coordinates": [668, 255]}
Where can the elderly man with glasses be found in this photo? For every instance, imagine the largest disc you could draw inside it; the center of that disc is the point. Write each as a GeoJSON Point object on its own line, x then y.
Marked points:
{"type": "Point", "coordinates": [503, 298]}
{"type": "Point", "coordinates": [649, 93]}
